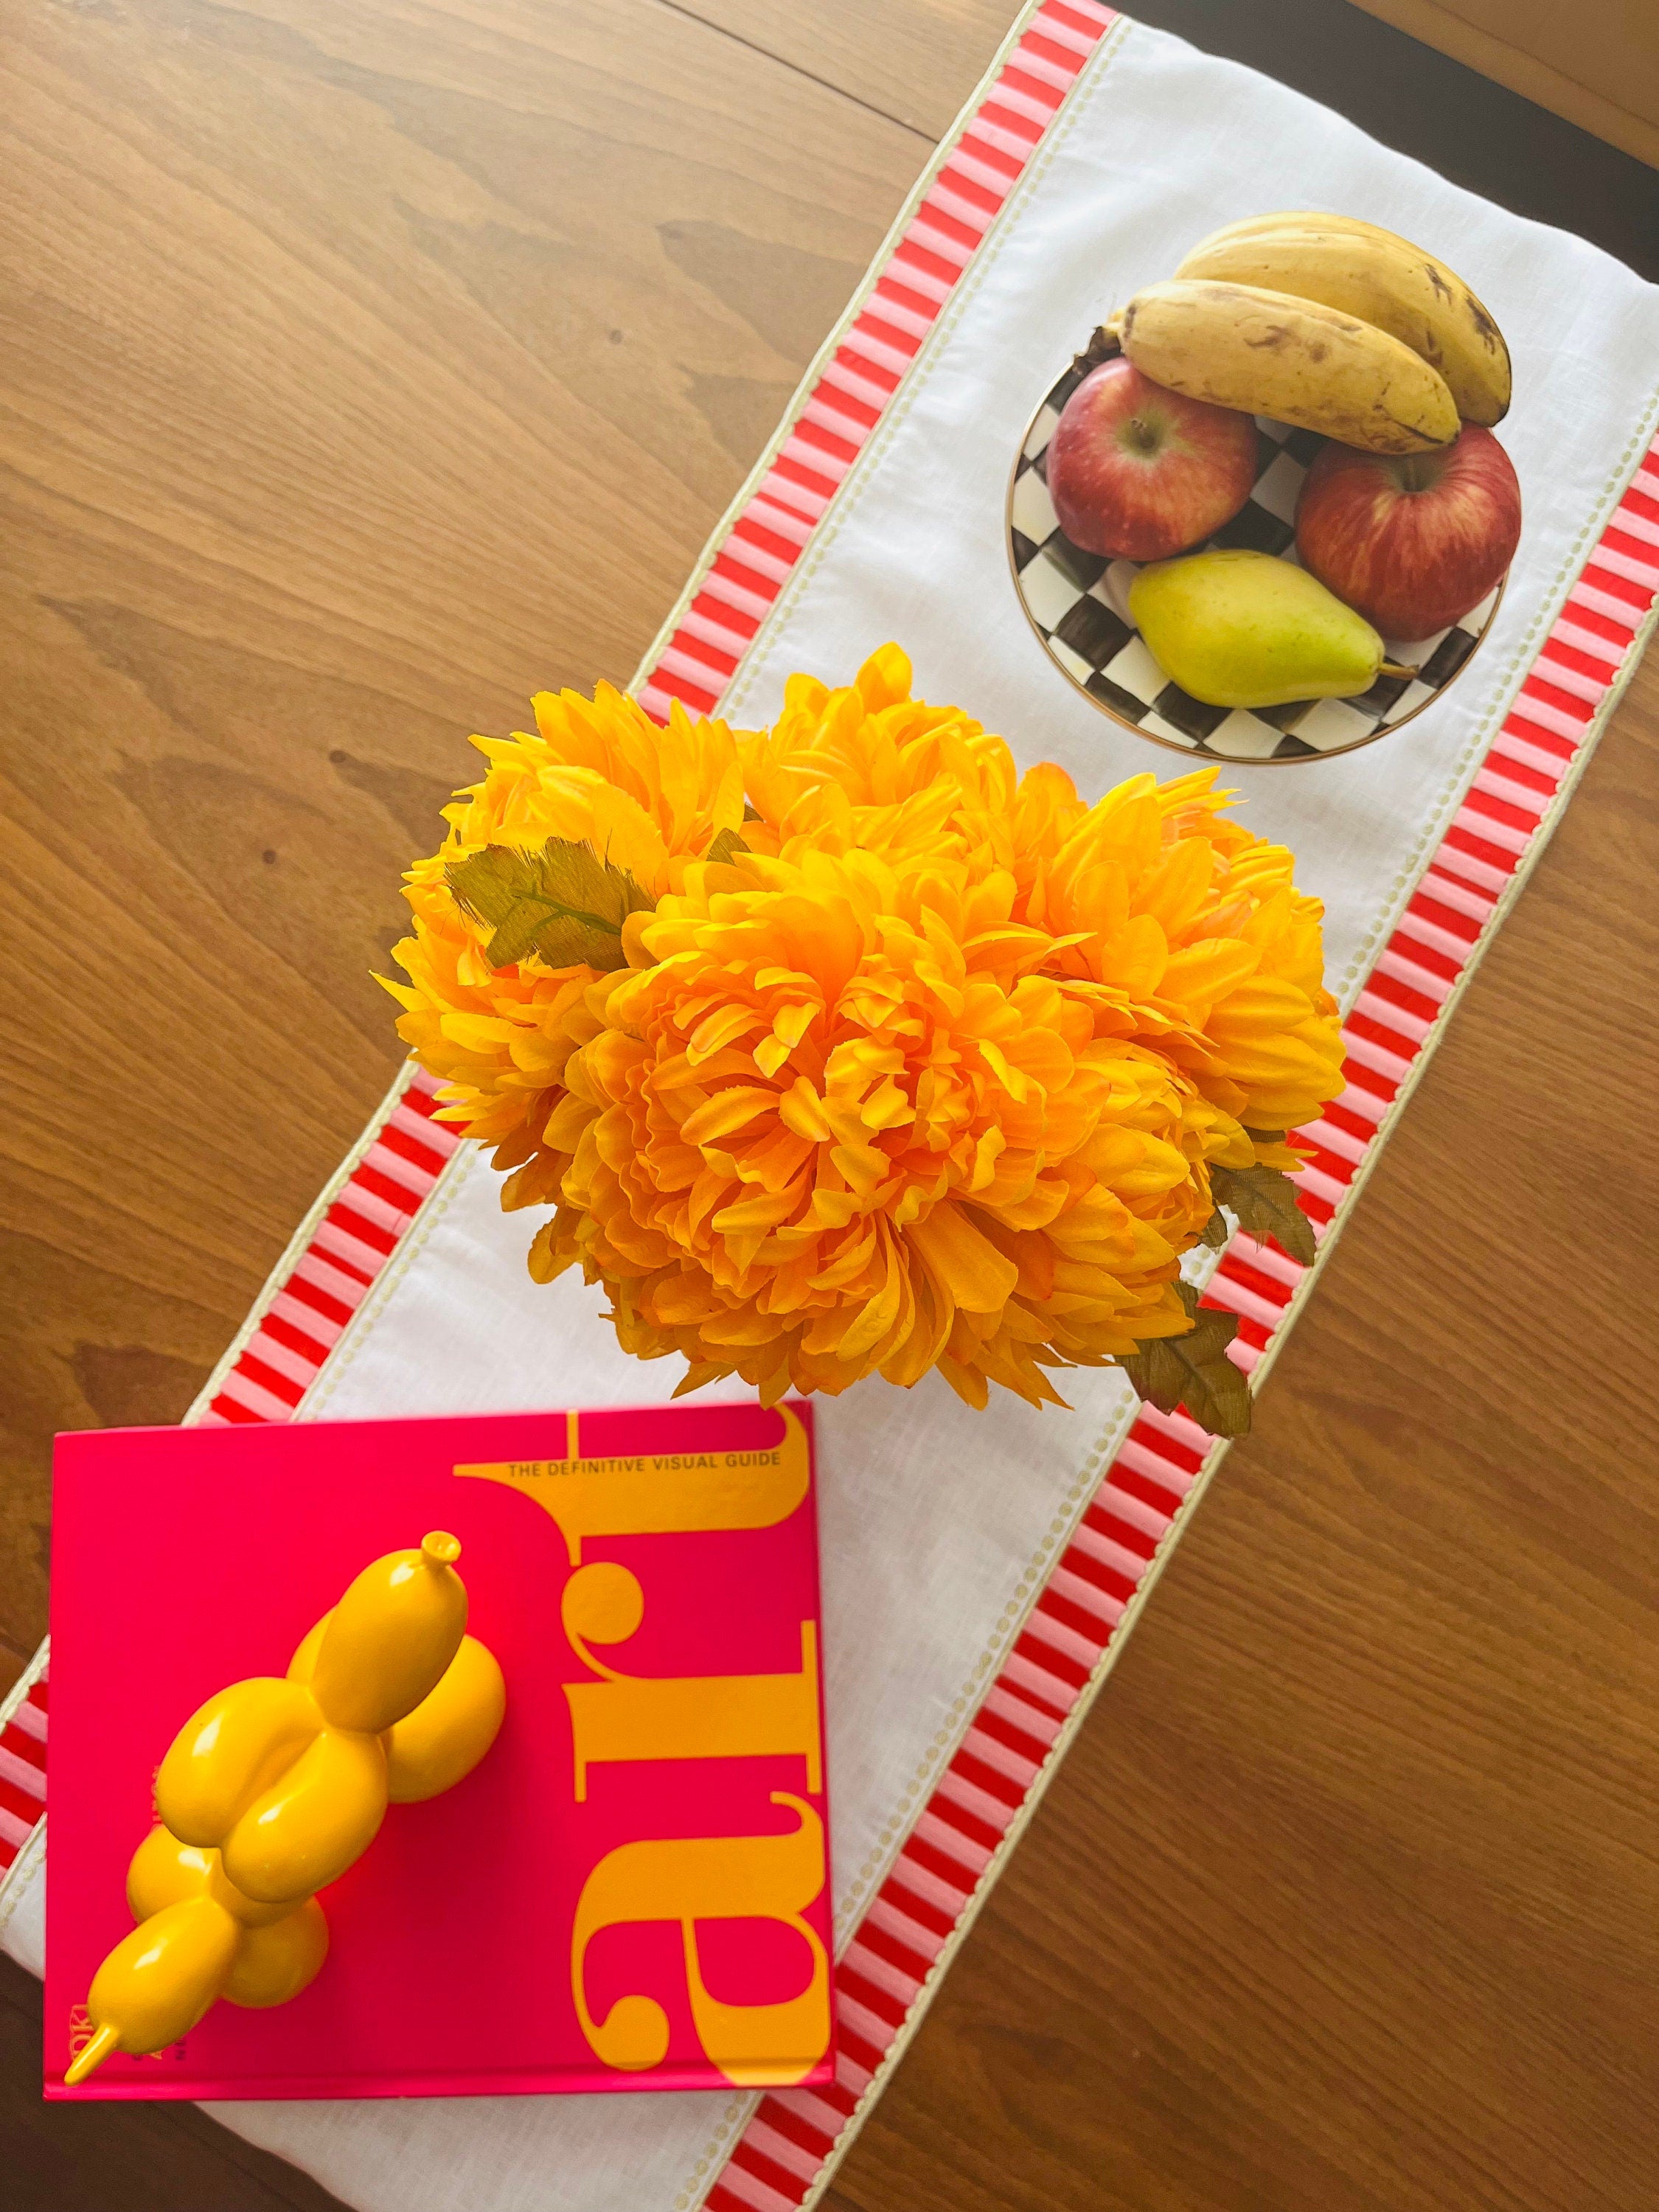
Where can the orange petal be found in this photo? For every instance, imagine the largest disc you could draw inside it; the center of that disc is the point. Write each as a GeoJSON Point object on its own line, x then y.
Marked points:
{"type": "Point", "coordinates": [726, 1111]}
{"type": "Point", "coordinates": [965, 1263]}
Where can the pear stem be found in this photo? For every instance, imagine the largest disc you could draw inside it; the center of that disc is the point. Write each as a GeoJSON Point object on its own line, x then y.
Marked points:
{"type": "Point", "coordinates": [1396, 668]}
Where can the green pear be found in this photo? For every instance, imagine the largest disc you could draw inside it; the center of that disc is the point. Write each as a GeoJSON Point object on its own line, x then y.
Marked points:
{"type": "Point", "coordinates": [1236, 628]}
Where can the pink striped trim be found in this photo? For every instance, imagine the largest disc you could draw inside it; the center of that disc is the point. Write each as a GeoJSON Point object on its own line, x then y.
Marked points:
{"type": "Point", "coordinates": [358, 1233]}
{"type": "Point", "coordinates": [753, 562]}
{"type": "Point", "coordinates": [794, 2137]}
{"type": "Point", "coordinates": [23, 1770]}
{"type": "Point", "coordinates": [907, 1927]}
{"type": "Point", "coordinates": [356, 1238]}
{"type": "Point", "coordinates": [1014, 1739]}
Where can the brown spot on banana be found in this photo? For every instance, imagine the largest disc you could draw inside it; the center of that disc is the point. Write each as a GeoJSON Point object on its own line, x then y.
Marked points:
{"type": "Point", "coordinates": [1485, 329]}
{"type": "Point", "coordinates": [1297, 360]}
{"type": "Point", "coordinates": [1342, 263]}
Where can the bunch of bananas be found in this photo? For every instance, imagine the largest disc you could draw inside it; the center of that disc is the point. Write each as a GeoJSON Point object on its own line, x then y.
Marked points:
{"type": "Point", "coordinates": [276, 1785]}
{"type": "Point", "coordinates": [1327, 322]}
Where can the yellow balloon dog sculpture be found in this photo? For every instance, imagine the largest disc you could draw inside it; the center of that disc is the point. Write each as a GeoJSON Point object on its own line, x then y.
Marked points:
{"type": "Point", "coordinates": [274, 1787]}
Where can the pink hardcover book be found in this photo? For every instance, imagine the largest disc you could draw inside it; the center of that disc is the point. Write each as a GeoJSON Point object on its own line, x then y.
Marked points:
{"type": "Point", "coordinates": [631, 1891]}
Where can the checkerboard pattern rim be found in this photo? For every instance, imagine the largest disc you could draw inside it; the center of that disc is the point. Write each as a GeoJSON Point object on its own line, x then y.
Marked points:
{"type": "Point", "coordinates": [1289, 752]}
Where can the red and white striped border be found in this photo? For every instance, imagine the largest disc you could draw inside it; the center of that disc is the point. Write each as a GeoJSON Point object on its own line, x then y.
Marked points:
{"type": "Point", "coordinates": [300, 1315]}
{"type": "Point", "coordinates": [906, 1935]}
{"type": "Point", "coordinates": [944, 1869]}
{"type": "Point", "coordinates": [832, 418]}
{"type": "Point", "coordinates": [22, 1760]}
{"type": "Point", "coordinates": [360, 1230]}
{"type": "Point", "coordinates": [906, 1938]}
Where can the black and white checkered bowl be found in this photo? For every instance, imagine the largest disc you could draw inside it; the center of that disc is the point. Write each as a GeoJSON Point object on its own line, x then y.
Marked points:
{"type": "Point", "coordinates": [1078, 603]}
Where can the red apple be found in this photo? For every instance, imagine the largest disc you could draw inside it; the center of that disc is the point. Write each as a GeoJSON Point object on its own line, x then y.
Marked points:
{"type": "Point", "coordinates": [1139, 471]}
{"type": "Point", "coordinates": [1411, 541]}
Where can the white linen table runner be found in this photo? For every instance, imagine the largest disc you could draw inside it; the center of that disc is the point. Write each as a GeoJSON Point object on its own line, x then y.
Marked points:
{"type": "Point", "coordinates": [979, 1570]}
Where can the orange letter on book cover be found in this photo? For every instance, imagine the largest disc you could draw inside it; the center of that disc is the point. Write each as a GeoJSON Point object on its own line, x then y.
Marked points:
{"type": "Point", "coordinates": [664, 1494]}
{"type": "Point", "coordinates": [693, 1878]}
{"type": "Point", "coordinates": [678, 1715]}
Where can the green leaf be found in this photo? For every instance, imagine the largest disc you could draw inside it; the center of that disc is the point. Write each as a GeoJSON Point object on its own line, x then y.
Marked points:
{"type": "Point", "coordinates": [563, 904]}
{"type": "Point", "coordinates": [1194, 1371]}
{"type": "Point", "coordinates": [726, 843]}
{"type": "Point", "coordinates": [1263, 1199]}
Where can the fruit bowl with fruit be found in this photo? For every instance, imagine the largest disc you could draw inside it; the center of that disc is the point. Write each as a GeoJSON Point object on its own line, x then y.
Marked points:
{"type": "Point", "coordinates": [1262, 516]}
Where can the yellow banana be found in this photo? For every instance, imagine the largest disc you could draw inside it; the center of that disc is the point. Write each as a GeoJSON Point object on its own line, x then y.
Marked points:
{"type": "Point", "coordinates": [273, 1788]}
{"type": "Point", "coordinates": [1266, 353]}
{"type": "Point", "coordinates": [1381, 278]}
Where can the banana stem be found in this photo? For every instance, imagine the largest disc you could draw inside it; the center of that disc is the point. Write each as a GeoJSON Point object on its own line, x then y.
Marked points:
{"type": "Point", "coordinates": [1101, 347]}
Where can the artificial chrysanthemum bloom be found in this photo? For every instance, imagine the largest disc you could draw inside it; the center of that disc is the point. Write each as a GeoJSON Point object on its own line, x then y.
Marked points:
{"type": "Point", "coordinates": [931, 1074]}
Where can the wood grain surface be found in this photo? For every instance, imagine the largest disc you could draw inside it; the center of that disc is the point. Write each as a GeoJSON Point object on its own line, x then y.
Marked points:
{"type": "Point", "coordinates": [365, 365]}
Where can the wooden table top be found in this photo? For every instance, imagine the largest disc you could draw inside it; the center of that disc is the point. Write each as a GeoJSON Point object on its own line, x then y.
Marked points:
{"type": "Point", "coordinates": [366, 366]}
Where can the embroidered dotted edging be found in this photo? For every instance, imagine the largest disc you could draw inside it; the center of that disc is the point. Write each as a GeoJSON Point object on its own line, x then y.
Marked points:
{"type": "Point", "coordinates": [1079, 1610]}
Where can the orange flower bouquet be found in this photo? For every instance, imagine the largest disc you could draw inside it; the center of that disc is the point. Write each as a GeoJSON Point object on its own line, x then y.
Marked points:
{"type": "Point", "coordinates": [840, 1048]}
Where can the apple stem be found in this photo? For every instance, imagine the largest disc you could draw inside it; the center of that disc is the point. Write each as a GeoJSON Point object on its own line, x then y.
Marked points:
{"type": "Point", "coordinates": [1396, 668]}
